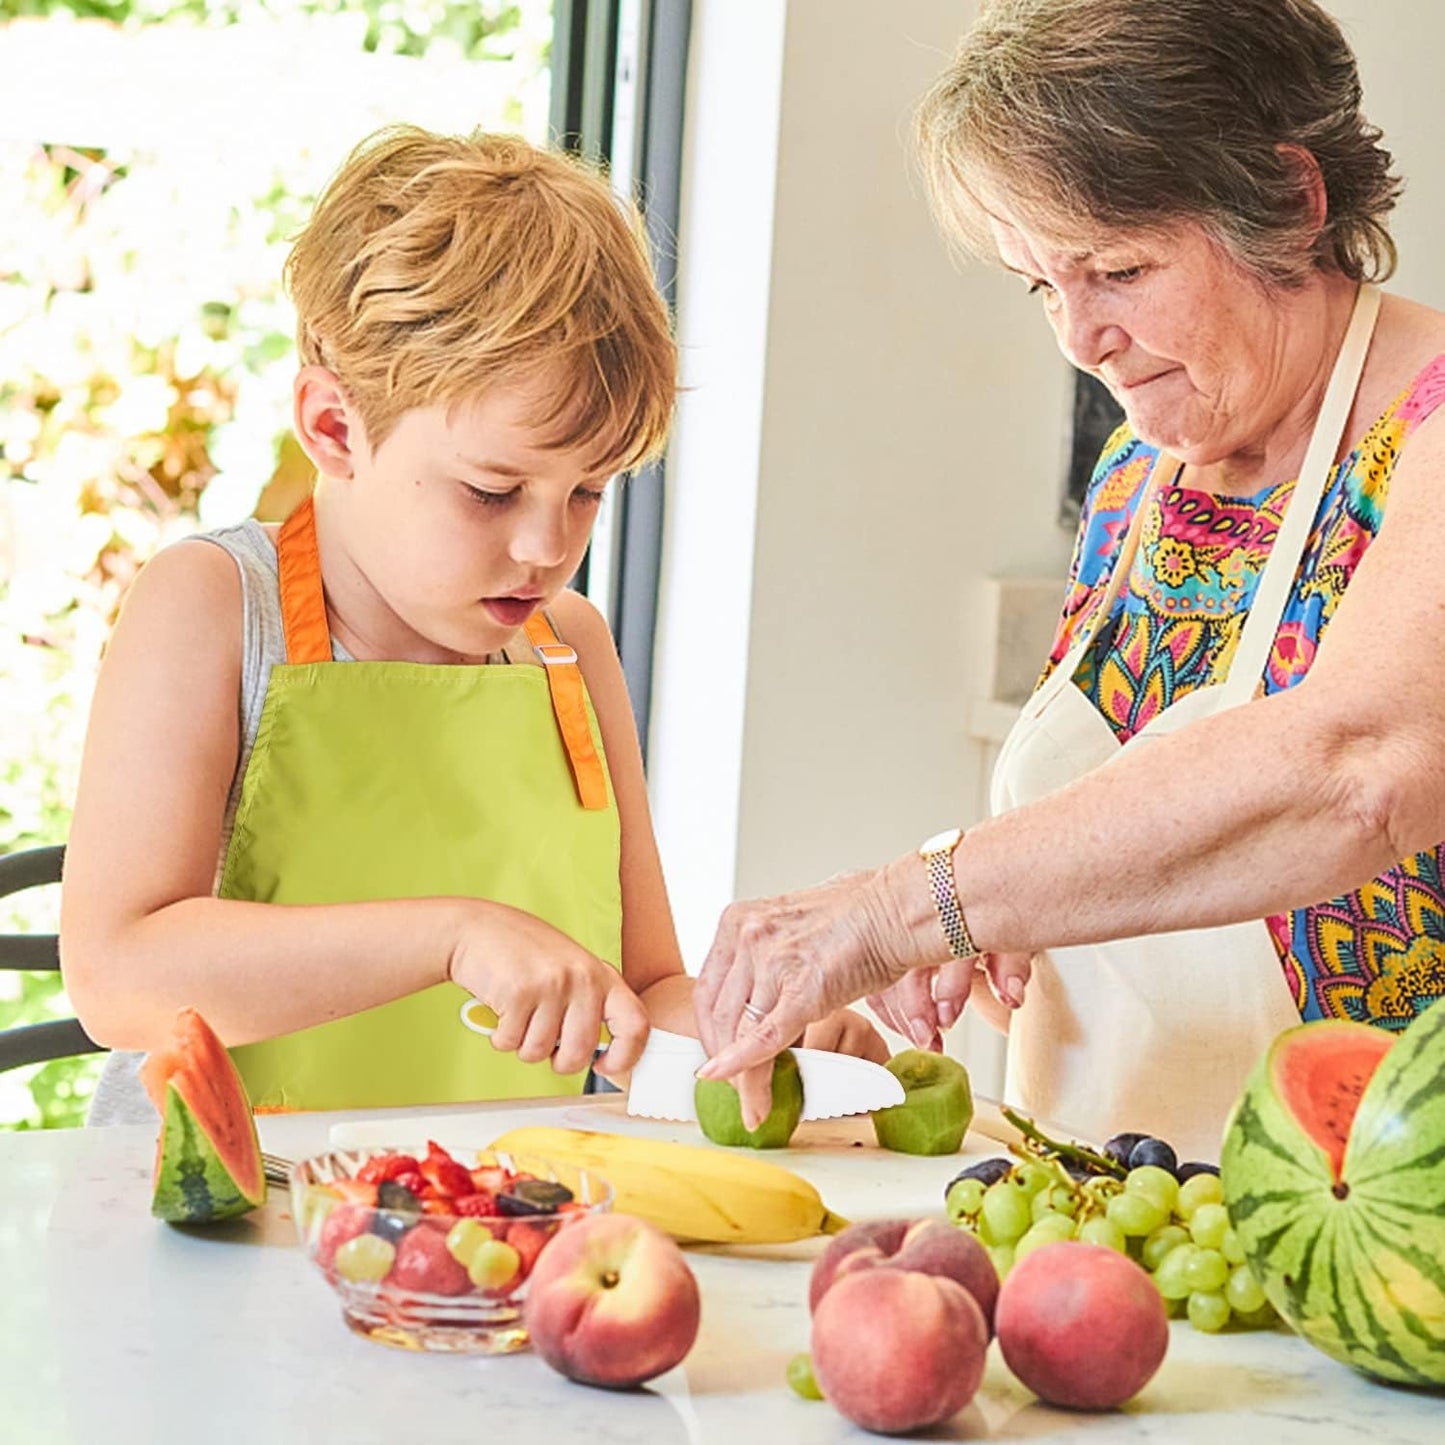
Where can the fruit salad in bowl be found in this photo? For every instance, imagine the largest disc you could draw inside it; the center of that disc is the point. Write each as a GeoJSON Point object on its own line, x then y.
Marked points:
{"type": "Point", "coordinates": [433, 1251]}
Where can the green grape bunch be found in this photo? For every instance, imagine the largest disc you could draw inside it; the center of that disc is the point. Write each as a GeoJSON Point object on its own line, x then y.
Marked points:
{"type": "Point", "coordinates": [1132, 1196]}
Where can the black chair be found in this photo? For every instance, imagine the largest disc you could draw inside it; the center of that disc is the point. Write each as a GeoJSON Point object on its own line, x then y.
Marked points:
{"type": "Point", "coordinates": [36, 953]}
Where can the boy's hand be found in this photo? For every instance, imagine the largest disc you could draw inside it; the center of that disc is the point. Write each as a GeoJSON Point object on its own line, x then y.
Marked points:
{"type": "Point", "coordinates": [846, 1032]}
{"type": "Point", "coordinates": [551, 996]}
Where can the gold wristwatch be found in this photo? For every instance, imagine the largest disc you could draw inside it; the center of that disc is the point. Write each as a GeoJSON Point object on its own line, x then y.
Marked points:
{"type": "Point", "coordinates": [937, 855]}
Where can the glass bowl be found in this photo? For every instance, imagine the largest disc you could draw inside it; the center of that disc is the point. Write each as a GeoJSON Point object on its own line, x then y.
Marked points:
{"type": "Point", "coordinates": [433, 1251]}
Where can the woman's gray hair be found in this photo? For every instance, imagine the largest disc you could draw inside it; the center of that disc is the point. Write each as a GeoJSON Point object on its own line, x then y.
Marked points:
{"type": "Point", "coordinates": [1126, 114]}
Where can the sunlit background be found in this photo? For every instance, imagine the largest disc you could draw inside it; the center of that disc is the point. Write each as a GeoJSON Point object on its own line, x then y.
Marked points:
{"type": "Point", "coordinates": [155, 157]}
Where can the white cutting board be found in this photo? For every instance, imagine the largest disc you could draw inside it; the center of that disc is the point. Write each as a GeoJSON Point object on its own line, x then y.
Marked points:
{"type": "Point", "coordinates": [840, 1157]}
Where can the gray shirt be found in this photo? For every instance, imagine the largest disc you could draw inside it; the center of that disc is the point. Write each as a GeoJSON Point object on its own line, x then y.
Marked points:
{"type": "Point", "coordinates": [119, 1097]}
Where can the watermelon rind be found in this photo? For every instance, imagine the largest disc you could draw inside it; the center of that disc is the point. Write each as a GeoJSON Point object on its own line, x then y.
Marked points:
{"type": "Point", "coordinates": [1355, 1265]}
{"type": "Point", "coordinates": [192, 1185]}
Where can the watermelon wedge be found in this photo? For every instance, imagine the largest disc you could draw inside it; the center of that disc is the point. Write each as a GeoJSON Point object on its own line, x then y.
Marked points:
{"type": "Point", "coordinates": [208, 1158]}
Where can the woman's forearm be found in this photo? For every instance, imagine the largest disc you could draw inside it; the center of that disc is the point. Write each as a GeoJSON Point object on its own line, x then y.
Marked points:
{"type": "Point", "coordinates": [1245, 814]}
{"type": "Point", "coordinates": [256, 970]}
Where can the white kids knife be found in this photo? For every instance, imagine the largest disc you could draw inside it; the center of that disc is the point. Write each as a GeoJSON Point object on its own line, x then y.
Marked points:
{"type": "Point", "coordinates": [663, 1078]}
{"type": "Point", "coordinates": [833, 1084]}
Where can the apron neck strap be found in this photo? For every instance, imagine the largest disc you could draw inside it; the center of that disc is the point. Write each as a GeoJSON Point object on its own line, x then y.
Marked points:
{"type": "Point", "coordinates": [569, 706]}
{"type": "Point", "coordinates": [1272, 592]}
{"type": "Point", "coordinates": [303, 598]}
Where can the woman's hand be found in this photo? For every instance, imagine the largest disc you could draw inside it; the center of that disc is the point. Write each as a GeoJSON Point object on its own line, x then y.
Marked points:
{"type": "Point", "coordinates": [551, 996]}
{"type": "Point", "coordinates": [793, 960]}
{"type": "Point", "coordinates": [846, 1032]}
{"type": "Point", "coordinates": [926, 1002]}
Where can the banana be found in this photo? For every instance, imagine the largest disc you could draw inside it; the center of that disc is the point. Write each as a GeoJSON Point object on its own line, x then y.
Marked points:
{"type": "Point", "coordinates": [695, 1194]}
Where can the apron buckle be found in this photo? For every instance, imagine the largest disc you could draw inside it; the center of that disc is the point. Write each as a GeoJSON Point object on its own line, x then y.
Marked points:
{"type": "Point", "coordinates": [554, 654]}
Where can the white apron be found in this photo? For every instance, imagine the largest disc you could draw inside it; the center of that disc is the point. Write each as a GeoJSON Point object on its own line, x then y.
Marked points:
{"type": "Point", "coordinates": [1160, 1033]}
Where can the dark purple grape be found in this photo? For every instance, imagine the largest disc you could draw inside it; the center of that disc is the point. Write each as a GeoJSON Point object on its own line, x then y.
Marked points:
{"type": "Point", "coordinates": [391, 1227]}
{"type": "Point", "coordinates": [533, 1196]}
{"type": "Point", "coordinates": [391, 1195]}
{"type": "Point", "coordinates": [986, 1171]}
{"type": "Point", "coordinates": [1196, 1166]}
{"type": "Point", "coordinates": [1155, 1152]}
{"type": "Point", "coordinates": [1121, 1146]}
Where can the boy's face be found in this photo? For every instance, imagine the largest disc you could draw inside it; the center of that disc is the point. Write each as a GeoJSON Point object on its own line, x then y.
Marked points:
{"type": "Point", "coordinates": [459, 526]}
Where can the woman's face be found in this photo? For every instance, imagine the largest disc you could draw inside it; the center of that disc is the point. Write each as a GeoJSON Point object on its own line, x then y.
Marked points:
{"type": "Point", "coordinates": [1190, 344]}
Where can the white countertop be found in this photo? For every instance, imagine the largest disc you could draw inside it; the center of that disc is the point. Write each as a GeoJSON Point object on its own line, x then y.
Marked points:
{"type": "Point", "coordinates": [118, 1328]}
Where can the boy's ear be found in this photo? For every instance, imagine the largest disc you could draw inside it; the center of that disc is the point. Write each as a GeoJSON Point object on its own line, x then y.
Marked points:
{"type": "Point", "coordinates": [323, 420]}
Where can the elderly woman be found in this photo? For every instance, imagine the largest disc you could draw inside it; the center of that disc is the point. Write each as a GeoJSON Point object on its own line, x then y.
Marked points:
{"type": "Point", "coordinates": [1220, 813]}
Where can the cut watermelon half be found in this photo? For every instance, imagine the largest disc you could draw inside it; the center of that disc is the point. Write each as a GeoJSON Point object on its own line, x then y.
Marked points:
{"type": "Point", "coordinates": [208, 1157]}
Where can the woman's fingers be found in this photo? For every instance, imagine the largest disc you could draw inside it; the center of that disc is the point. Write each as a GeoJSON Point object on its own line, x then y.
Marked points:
{"type": "Point", "coordinates": [1008, 976]}
{"type": "Point", "coordinates": [759, 1042]}
{"type": "Point", "coordinates": [908, 1008]}
{"type": "Point", "coordinates": [755, 1093]}
{"type": "Point", "coordinates": [952, 984]}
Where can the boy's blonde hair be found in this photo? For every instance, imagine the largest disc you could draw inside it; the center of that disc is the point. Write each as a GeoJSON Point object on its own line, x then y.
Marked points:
{"type": "Point", "coordinates": [435, 267]}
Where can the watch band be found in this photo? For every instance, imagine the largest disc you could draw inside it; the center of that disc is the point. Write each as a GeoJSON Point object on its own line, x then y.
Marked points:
{"type": "Point", "coordinates": [937, 855]}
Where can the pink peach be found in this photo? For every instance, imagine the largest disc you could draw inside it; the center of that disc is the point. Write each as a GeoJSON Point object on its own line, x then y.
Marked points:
{"type": "Point", "coordinates": [895, 1350]}
{"type": "Point", "coordinates": [1081, 1325]}
{"type": "Point", "coordinates": [612, 1302]}
{"type": "Point", "coordinates": [927, 1246]}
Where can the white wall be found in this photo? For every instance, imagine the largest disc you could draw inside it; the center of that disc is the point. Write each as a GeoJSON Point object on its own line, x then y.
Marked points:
{"type": "Point", "coordinates": [867, 434]}
{"type": "Point", "coordinates": [871, 432]}
{"type": "Point", "coordinates": [1400, 45]}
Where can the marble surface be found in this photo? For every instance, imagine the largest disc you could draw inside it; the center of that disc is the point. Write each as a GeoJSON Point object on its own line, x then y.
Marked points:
{"type": "Point", "coordinates": [118, 1328]}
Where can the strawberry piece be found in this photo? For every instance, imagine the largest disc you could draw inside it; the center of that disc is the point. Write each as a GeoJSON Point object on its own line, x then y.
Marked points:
{"type": "Point", "coordinates": [478, 1205]}
{"type": "Point", "coordinates": [345, 1221]}
{"type": "Point", "coordinates": [425, 1265]}
{"type": "Point", "coordinates": [490, 1180]}
{"type": "Point", "coordinates": [443, 1172]}
{"type": "Point", "coordinates": [529, 1240]}
{"type": "Point", "coordinates": [381, 1167]}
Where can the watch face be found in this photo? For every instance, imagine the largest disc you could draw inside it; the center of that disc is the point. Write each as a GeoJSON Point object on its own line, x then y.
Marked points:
{"type": "Point", "coordinates": [941, 842]}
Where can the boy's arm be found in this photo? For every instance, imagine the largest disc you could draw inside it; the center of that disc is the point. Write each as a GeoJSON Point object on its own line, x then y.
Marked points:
{"type": "Point", "coordinates": [141, 935]}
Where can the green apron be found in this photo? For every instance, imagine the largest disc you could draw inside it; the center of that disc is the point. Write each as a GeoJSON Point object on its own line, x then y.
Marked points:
{"type": "Point", "coordinates": [376, 780]}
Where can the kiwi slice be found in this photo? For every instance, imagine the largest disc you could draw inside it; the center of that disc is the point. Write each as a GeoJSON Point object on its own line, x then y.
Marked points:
{"type": "Point", "coordinates": [937, 1105]}
{"type": "Point", "coordinates": [720, 1111]}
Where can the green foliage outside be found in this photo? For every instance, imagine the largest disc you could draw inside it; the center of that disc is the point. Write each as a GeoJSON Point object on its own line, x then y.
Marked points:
{"type": "Point", "coordinates": [145, 364]}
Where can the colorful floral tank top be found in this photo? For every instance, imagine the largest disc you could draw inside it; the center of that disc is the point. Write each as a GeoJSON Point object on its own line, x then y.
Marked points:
{"type": "Point", "coordinates": [1376, 955]}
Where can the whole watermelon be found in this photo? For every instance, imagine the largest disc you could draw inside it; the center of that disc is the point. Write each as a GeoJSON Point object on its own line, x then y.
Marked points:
{"type": "Point", "coordinates": [1334, 1176]}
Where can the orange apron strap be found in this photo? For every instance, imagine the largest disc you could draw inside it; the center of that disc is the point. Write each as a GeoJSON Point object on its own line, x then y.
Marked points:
{"type": "Point", "coordinates": [303, 599]}
{"type": "Point", "coordinates": [569, 703]}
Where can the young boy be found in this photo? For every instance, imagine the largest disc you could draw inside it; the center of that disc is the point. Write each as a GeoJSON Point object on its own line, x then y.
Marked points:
{"type": "Point", "coordinates": [343, 773]}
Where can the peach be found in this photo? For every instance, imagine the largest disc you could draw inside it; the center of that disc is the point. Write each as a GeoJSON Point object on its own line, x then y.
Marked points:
{"type": "Point", "coordinates": [928, 1246]}
{"type": "Point", "coordinates": [612, 1302]}
{"type": "Point", "coordinates": [1081, 1325]}
{"type": "Point", "coordinates": [895, 1350]}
